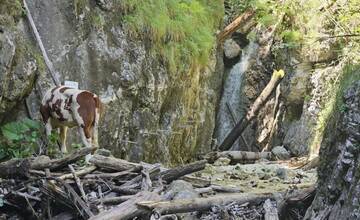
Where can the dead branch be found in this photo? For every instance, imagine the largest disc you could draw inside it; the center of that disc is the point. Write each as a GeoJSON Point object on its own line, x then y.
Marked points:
{"type": "Point", "coordinates": [78, 173]}
{"type": "Point", "coordinates": [78, 182]}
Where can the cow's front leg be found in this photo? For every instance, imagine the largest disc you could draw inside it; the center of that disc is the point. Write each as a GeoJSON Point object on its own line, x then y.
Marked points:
{"type": "Point", "coordinates": [63, 132]}
{"type": "Point", "coordinates": [48, 128]}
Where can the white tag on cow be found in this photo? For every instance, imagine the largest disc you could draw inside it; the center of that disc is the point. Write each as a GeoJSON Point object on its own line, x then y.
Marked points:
{"type": "Point", "coordinates": [72, 84]}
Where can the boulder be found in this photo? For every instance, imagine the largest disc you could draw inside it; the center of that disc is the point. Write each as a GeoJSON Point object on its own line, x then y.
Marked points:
{"type": "Point", "coordinates": [231, 49]}
{"type": "Point", "coordinates": [280, 153]}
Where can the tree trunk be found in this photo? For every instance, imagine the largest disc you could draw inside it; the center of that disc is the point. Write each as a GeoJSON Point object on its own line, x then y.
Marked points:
{"type": "Point", "coordinates": [251, 114]}
{"type": "Point", "coordinates": [231, 28]}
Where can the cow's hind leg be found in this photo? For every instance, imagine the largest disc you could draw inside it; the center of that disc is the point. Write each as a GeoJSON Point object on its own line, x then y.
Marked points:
{"type": "Point", "coordinates": [85, 137]}
{"type": "Point", "coordinates": [63, 131]}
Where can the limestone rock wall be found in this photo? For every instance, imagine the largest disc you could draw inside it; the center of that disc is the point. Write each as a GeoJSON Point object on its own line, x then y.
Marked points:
{"type": "Point", "coordinates": [150, 114]}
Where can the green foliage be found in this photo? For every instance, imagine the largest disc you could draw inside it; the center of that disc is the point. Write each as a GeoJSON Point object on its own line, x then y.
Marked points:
{"type": "Point", "coordinates": [19, 139]}
{"type": "Point", "coordinates": [10, 10]}
{"type": "Point", "coordinates": [181, 32]}
{"type": "Point", "coordinates": [97, 21]}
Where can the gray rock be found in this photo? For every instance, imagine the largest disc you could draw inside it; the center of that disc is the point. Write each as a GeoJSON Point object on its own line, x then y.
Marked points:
{"type": "Point", "coordinates": [231, 48]}
{"type": "Point", "coordinates": [144, 101]}
{"type": "Point", "coordinates": [282, 173]}
{"type": "Point", "coordinates": [338, 188]}
{"type": "Point", "coordinates": [18, 69]}
{"type": "Point", "coordinates": [280, 153]}
{"type": "Point", "coordinates": [180, 189]}
{"type": "Point", "coordinates": [222, 161]}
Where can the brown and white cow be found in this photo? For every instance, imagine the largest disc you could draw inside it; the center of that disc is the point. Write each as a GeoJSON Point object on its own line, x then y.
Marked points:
{"type": "Point", "coordinates": [64, 107]}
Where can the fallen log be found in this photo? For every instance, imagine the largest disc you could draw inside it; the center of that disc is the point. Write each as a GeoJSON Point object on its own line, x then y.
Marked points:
{"type": "Point", "coordinates": [253, 111]}
{"type": "Point", "coordinates": [15, 168]}
{"type": "Point", "coordinates": [113, 163]}
{"type": "Point", "coordinates": [238, 156]}
{"type": "Point", "coordinates": [128, 209]}
{"type": "Point", "coordinates": [159, 208]}
{"type": "Point", "coordinates": [231, 28]}
{"type": "Point", "coordinates": [42, 162]}
{"type": "Point", "coordinates": [176, 173]}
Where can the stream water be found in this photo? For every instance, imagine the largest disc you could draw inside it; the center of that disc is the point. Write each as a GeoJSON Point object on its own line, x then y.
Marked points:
{"type": "Point", "coordinates": [232, 99]}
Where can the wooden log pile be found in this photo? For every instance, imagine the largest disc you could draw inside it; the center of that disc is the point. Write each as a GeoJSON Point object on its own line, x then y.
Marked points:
{"type": "Point", "coordinates": [108, 188]}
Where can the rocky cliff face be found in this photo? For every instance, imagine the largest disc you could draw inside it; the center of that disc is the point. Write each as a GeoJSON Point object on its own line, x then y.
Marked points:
{"type": "Point", "coordinates": [338, 188]}
{"type": "Point", "coordinates": [19, 61]}
{"type": "Point", "coordinates": [151, 114]}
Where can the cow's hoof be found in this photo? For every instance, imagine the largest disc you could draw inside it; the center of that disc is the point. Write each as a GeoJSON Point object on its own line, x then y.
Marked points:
{"type": "Point", "coordinates": [87, 158]}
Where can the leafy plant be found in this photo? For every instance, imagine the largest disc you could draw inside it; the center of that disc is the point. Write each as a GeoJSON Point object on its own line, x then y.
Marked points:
{"type": "Point", "coordinates": [19, 138]}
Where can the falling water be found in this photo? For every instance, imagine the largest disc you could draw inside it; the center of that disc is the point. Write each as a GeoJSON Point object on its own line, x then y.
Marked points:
{"type": "Point", "coordinates": [233, 96]}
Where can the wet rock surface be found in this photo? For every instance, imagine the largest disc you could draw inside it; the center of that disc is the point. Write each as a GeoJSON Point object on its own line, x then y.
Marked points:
{"type": "Point", "coordinates": [338, 189]}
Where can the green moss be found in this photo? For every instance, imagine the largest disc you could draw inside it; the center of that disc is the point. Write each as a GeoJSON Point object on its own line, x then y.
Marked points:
{"type": "Point", "coordinates": [10, 11]}
{"type": "Point", "coordinates": [181, 32]}
{"type": "Point", "coordinates": [79, 6]}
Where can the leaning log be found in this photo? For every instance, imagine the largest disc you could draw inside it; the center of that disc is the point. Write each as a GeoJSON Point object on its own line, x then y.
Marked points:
{"type": "Point", "coordinates": [176, 173]}
{"type": "Point", "coordinates": [14, 168]}
{"type": "Point", "coordinates": [113, 163]}
{"type": "Point", "coordinates": [253, 111]}
{"type": "Point", "coordinates": [200, 204]}
{"type": "Point", "coordinates": [42, 162]}
{"type": "Point", "coordinates": [128, 209]}
{"type": "Point", "coordinates": [233, 26]}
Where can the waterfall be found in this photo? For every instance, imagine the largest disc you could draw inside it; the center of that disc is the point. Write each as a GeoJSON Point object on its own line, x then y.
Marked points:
{"type": "Point", "coordinates": [233, 96]}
